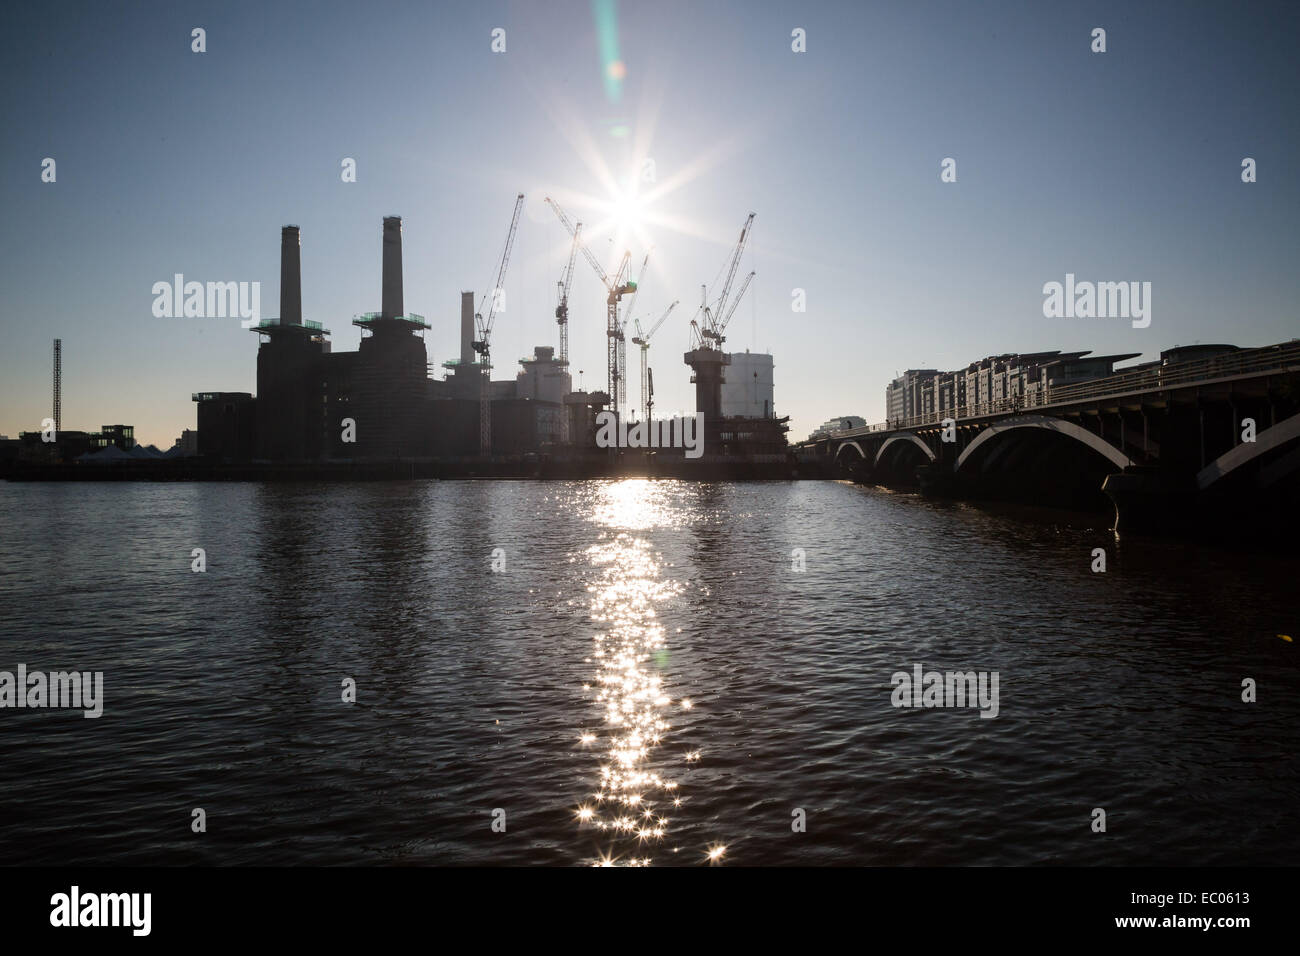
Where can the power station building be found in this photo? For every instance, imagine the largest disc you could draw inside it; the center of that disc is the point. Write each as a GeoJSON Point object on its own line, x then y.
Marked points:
{"type": "Point", "coordinates": [379, 403]}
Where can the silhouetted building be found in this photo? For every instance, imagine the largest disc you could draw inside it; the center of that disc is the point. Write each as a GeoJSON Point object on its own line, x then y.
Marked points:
{"type": "Point", "coordinates": [119, 436]}
{"type": "Point", "coordinates": [292, 420]}
{"type": "Point", "coordinates": [379, 403]}
{"type": "Point", "coordinates": [69, 444]}
{"type": "Point", "coordinates": [188, 444]}
{"type": "Point", "coordinates": [227, 425]}
{"type": "Point", "coordinates": [390, 395]}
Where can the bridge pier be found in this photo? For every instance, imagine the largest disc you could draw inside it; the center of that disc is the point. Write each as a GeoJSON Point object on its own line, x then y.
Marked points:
{"type": "Point", "coordinates": [937, 480]}
{"type": "Point", "coordinates": [1148, 499]}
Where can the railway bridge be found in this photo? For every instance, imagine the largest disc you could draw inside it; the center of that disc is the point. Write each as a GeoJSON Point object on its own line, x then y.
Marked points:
{"type": "Point", "coordinates": [1211, 438]}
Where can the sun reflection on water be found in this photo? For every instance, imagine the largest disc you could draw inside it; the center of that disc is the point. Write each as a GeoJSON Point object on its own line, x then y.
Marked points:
{"type": "Point", "coordinates": [629, 810]}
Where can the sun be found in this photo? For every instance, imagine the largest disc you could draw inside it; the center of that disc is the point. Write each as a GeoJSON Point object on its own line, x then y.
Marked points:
{"type": "Point", "coordinates": [628, 211]}
{"type": "Point", "coordinates": [627, 205]}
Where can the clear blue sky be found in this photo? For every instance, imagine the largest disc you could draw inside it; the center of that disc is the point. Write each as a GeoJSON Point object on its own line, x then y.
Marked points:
{"type": "Point", "coordinates": [1115, 166]}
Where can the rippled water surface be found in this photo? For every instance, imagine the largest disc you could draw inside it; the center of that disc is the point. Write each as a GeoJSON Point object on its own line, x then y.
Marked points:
{"type": "Point", "coordinates": [648, 679]}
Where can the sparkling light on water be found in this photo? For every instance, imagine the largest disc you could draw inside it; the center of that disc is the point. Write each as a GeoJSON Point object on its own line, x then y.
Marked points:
{"type": "Point", "coordinates": [633, 794]}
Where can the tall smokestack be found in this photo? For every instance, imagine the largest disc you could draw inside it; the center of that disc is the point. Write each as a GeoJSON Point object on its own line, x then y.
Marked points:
{"type": "Point", "coordinates": [466, 328]}
{"type": "Point", "coordinates": [392, 305]}
{"type": "Point", "coordinates": [290, 276]}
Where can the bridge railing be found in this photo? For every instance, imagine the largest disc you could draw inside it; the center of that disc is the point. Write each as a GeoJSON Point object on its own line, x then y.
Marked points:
{"type": "Point", "coordinates": [1158, 378]}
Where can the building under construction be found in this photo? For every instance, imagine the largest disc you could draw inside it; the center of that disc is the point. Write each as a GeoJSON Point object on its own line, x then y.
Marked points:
{"type": "Point", "coordinates": [742, 424]}
{"type": "Point", "coordinates": [379, 403]}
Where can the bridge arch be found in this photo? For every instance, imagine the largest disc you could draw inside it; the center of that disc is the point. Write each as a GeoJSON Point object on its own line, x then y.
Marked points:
{"type": "Point", "coordinates": [850, 444]}
{"type": "Point", "coordinates": [1266, 441]}
{"type": "Point", "coordinates": [904, 437]}
{"type": "Point", "coordinates": [1047, 423]}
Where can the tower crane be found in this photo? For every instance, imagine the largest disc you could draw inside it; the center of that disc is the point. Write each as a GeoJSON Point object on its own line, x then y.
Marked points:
{"type": "Point", "coordinates": [622, 339]}
{"type": "Point", "coordinates": [697, 337]}
{"type": "Point", "coordinates": [616, 288]}
{"type": "Point", "coordinates": [620, 359]}
{"type": "Point", "coordinates": [483, 344]}
{"type": "Point", "coordinates": [711, 331]}
{"type": "Point", "coordinates": [647, 383]}
{"type": "Point", "coordinates": [721, 326]}
{"type": "Point", "coordinates": [706, 358]}
{"type": "Point", "coordinates": [566, 280]}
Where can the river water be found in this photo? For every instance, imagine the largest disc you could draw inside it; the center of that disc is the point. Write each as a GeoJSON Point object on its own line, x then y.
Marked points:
{"type": "Point", "coordinates": [645, 677]}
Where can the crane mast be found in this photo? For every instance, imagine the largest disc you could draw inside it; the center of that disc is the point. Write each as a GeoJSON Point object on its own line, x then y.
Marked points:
{"type": "Point", "coordinates": [483, 344]}
{"type": "Point", "coordinates": [711, 330]}
{"type": "Point", "coordinates": [616, 355]}
{"type": "Point", "coordinates": [562, 310]}
{"type": "Point", "coordinates": [622, 340]}
{"type": "Point", "coordinates": [647, 382]}
{"type": "Point", "coordinates": [616, 288]}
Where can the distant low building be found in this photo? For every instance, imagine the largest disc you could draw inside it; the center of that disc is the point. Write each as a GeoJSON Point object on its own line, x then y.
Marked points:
{"type": "Point", "coordinates": [70, 444]}
{"type": "Point", "coordinates": [187, 446]}
{"type": "Point", "coordinates": [121, 437]}
{"type": "Point", "coordinates": [841, 424]}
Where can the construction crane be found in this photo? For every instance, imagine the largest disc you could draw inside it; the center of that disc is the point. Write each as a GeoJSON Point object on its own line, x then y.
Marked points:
{"type": "Point", "coordinates": [707, 360]}
{"type": "Point", "coordinates": [622, 339]}
{"type": "Point", "coordinates": [620, 360]}
{"type": "Point", "coordinates": [616, 354]}
{"type": "Point", "coordinates": [616, 288]}
{"type": "Point", "coordinates": [721, 326]}
{"type": "Point", "coordinates": [643, 339]}
{"type": "Point", "coordinates": [636, 290]}
{"type": "Point", "coordinates": [483, 344]}
{"type": "Point", "coordinates": [562, 309]}
{"type": "Point", "coordinates": [710, 333]}
{"type": "Point", "coordinates": [697, 338]}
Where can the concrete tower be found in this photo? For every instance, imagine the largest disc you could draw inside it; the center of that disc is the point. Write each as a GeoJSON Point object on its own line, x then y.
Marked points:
{"type": "Point", "coordinates": [389, 376]}
{"type": "Point", "coordinates": [467, 328]}
{"type": "Point", "coordinates": [290, 276]}
{"type": "Point", "coordinates": [707, 373]}
{"type": "Point", "coordinates": [290, 419]}
{"type": "Point", "coordinates": [392, 297]}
